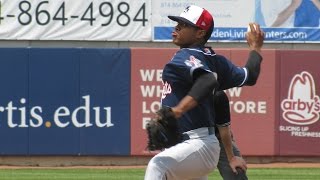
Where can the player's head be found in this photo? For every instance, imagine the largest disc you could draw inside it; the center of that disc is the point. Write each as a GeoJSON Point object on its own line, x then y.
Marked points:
{"type": "Point", "coordinates": [195, 26]}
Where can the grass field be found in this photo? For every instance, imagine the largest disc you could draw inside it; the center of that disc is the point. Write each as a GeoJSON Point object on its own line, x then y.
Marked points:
{"type": "Point", "coordinates": [138, 174]}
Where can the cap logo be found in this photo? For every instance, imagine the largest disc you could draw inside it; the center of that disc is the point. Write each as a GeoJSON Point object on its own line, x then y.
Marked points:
{"type": "Point", "coordinates": [195, 15]}
{"type": "Point", "coordinates": [187, 9]}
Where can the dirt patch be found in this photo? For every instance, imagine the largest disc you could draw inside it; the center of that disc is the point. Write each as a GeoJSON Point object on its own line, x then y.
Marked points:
{"type": "Point", "coordinates": [101, 162]}
{"type": "Point", "coordinates": [72, 167]}
{"type": "Point", "coordinates": [269, 165]}
{"type": "Point", "coordinates": [285, 165]}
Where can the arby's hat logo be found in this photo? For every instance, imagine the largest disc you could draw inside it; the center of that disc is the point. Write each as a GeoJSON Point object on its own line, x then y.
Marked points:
{"type": "Point", "coordinates": [302, 106]}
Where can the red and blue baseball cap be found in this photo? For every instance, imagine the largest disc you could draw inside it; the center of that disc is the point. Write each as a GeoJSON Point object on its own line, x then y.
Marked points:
{"type": "Point", "coordinates": [195, 16]}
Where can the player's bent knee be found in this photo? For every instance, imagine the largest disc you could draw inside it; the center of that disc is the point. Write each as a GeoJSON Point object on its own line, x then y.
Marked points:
{"type": "Point", "coordinates": [157, 167]}
{"type": "Point", "coordinates": [162, 167]}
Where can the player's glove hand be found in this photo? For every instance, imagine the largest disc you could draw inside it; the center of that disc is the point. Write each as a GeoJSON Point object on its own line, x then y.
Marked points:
{"type": "Point", "coordinates": [162, 130]}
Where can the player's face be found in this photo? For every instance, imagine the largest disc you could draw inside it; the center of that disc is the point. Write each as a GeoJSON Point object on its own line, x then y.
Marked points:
{"type": "Point", "coordinates": [185, 35]}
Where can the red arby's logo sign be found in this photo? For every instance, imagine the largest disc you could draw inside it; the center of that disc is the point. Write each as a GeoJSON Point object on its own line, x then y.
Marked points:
{"type": "Point", "coordinates": [302, 106]}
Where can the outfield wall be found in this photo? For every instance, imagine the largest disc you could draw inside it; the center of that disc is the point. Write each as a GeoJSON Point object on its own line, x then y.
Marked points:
{"type": "Point", "coordinates": [96, 102]}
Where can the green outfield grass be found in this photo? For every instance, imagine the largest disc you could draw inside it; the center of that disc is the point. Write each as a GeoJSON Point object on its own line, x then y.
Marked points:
{"type": "Point", "coordinates": [137, 174]}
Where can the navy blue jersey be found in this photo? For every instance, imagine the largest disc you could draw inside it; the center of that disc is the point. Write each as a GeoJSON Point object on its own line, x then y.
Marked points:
{"type": "Point", "coordinates": [178, 78]}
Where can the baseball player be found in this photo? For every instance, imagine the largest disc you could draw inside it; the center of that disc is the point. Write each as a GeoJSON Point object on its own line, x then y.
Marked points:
{"type": "Point", "coordinates": [231, 165]}
{"type": "Point", "coordinates": [189, 79]}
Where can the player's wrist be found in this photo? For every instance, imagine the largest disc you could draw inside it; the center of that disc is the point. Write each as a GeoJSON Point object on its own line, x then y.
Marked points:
{"type": "Point", "coordinates": [257, 49]}
{"type": "Point", "coordinates": [231, 158]}
{"type": "Point", "coordinates": [177, 112]}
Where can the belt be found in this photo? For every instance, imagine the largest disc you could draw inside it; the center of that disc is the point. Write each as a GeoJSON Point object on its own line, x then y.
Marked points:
{"type": "Point", "coordinates": [197, 133]}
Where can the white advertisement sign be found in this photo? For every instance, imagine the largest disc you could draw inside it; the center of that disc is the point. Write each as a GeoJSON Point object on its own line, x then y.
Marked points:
{"type": "Point", "coordinates": [282, 21]}
{"type": "Point", "coordinates": [101, 20]}
{"type": "Point", "coordinates": [226, 14]}
{"type": "Point", "coordinates": [132, 20]}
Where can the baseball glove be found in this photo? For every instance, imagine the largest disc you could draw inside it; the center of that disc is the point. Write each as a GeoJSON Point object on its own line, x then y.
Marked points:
{"type": "Point", "coordinates": [163, 130]}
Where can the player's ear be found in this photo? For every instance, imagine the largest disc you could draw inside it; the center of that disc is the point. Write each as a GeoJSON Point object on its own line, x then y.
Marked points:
{"type": "Point", "coordinates": [201, 33]}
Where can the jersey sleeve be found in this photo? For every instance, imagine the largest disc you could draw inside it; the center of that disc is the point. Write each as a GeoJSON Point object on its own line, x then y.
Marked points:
{"type": "Point", "coordinates": [229, 75]}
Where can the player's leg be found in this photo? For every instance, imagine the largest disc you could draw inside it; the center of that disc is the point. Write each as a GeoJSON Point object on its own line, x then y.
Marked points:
{"type": "Point", "coordinates": [189, 159]}
{"type": "Point", "coordinates": [224, 167]}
